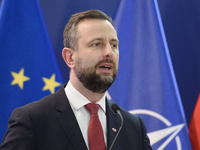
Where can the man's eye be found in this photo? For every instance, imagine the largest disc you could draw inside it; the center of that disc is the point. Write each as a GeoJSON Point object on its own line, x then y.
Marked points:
{"type": "Point", "coordinates": [97, 44]}
{"type": "Point", "coordinates": [114, 45]}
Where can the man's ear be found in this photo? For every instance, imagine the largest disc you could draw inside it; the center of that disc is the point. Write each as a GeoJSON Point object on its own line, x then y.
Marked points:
{"type": "Point", "coordinates": [67, 54]}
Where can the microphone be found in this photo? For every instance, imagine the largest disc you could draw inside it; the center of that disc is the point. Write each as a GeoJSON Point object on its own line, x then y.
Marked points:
{"type": "Point", "coordinates": [116, 109]}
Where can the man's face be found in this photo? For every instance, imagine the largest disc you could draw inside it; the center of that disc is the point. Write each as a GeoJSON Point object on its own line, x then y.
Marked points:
{"type": "Point", "coordinates": [97, 56]}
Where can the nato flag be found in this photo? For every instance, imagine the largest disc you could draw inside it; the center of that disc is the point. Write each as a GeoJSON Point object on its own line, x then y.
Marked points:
{"type": "Point", "coordinates": [146, 84]}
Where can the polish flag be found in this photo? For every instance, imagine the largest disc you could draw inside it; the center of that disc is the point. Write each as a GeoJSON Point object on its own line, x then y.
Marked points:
{"type": "Point", "coordinates": [194, 127]}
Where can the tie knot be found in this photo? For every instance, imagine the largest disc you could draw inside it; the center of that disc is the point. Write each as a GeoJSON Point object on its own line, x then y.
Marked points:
{"type": "Point", "coordinates": [92, 108]}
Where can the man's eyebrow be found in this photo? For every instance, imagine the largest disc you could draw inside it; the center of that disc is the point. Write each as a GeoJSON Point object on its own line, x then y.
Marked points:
{"type": "Point", "coordinates": [96, 39]}
{"type": "Point", "coordinates": [115, 40]}
{"type": "Point", "coordinates": [101, 39]}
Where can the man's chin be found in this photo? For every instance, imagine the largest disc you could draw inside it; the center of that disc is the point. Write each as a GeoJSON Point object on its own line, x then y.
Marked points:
{"type": "Point", "coordinates": [107, 78]}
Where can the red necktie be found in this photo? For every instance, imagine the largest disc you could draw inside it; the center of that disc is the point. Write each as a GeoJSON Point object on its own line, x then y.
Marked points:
{"type": "Point", "coordinates": [95, 131]}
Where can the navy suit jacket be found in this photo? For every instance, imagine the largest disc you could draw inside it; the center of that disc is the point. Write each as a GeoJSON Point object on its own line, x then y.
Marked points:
{"type": "Point", "coordinates": [50, 124]}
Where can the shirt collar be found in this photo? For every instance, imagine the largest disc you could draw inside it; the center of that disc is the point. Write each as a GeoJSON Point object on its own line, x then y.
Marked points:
{"type": "Point", "coordinates": [77, 100]}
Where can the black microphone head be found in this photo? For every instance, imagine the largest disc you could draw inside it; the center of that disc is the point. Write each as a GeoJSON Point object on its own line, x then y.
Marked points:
{"type": "Point", "coordinates": [115, 107]}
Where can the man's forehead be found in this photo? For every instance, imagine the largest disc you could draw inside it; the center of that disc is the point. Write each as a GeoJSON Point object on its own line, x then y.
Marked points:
{"type": "Point", "coordinates": [92, 23]}
{"type": "Point", "coordinates": [96, 27]}
{"type": "Point", "coordinates": [94, 20]}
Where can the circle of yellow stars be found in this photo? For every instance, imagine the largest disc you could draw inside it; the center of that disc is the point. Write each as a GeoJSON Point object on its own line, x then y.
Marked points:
{"type": "Point", "coordinates": [20, 78]}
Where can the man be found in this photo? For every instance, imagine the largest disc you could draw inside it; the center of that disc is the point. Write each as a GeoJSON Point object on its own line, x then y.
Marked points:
{"type": "Point", "coordinates": [61, 121]}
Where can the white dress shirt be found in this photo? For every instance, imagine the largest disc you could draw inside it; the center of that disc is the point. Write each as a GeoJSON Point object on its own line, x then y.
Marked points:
{"type": "Point", "coordinates": [77, 102]}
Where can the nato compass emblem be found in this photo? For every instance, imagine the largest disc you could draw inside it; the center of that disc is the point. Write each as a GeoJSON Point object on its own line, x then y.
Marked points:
{"type": "Point", "coordinates": [167, 134]}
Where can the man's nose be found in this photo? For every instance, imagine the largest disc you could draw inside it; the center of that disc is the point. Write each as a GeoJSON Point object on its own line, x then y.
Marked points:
{"type": "Point", "coordinates": [108, 51]}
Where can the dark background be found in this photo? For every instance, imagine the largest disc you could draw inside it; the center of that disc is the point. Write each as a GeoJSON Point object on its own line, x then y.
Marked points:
{"type": "Point", "coordinates": [181, 21]}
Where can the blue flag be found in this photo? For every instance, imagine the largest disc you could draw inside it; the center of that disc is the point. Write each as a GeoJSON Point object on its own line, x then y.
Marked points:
{"type": "Point", "coordinates": [29, 70]}
{"type": "Point", "coordinates": [146, 84]}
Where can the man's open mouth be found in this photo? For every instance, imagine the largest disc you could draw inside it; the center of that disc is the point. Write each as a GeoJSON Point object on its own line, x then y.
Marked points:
{"type": "Point", "coordinates": [105, 67]}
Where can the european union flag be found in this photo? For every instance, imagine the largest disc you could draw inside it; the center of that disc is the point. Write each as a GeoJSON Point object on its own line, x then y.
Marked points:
{"type": "Point", "coordinates": [146, 84]}
{"type": "Point", "coordinates": [29, 70]}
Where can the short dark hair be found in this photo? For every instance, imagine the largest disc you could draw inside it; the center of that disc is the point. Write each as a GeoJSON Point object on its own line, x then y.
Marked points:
{"type": "Point", "coordinates": [70, 32]}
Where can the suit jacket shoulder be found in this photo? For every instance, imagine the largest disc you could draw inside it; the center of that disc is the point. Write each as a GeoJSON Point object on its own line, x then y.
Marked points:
{"type": "Point", "coordinates": [47, 124]}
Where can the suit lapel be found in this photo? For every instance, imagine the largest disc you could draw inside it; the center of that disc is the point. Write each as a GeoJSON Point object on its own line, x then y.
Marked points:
{"type": "Point", "coordinates": [113, 123]}
{"type": "Point", "coordinates": [70, 125]}
{"type": "Point", "coordinates": [68, 121]}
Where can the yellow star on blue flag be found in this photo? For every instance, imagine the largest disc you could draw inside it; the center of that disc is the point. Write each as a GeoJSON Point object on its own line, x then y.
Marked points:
{"type": "Point", "coordinates": [50, 84]}
{"type": "Point", "coordinates": [19, 78]}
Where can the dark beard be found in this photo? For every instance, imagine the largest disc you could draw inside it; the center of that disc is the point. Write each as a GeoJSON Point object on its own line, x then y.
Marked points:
{"type": "Point", "coordinates": [93, 81]}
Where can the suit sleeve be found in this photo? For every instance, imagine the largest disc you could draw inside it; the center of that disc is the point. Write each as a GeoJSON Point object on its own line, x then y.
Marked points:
{"type": "Point", "coordinates": [20, 133]}
{"type": "Point", "coordinates": [146, 142]}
